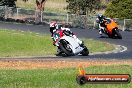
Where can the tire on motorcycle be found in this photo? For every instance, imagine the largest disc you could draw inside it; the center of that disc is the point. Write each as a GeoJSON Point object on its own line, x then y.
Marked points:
{"type": "Point", "coordinates": [62, 46]}
{"type": "Point", "coordinates": [118, 35]}
{"type": "Point", "coordinates": [85, 51]}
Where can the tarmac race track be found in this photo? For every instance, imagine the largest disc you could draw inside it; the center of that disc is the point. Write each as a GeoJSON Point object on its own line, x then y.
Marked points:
{"type": "Point", "coordinates": [82, 33]}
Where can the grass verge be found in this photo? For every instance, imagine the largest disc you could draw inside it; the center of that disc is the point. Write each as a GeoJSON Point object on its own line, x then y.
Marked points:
{"type": "Point", "coordinates": [19, 43]}
{"type": "Point", "coordinates": [58, 78]}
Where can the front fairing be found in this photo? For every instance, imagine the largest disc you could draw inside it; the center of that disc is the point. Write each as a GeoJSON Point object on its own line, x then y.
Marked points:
{"type": "Point", "coordinates": [110, 26]}
{"type": "Point", "coordinates": [74, 45]}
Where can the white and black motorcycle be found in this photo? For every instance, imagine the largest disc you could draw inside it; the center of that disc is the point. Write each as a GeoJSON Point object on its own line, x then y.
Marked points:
{"type": "Point", "coordinates": [69, 45]}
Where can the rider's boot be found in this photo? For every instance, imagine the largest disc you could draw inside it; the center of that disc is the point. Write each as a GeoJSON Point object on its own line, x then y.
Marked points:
{"type": "Point", "coordinates": [100, 31]}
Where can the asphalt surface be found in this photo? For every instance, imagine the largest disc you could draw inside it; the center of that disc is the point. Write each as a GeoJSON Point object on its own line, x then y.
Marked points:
{"type": "Point", "coordinates": [82, 33]}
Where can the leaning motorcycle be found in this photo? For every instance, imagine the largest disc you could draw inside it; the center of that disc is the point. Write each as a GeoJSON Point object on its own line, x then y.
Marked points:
{"type": "Point", "coordinates": [112, 29]}
{"type": "Point", "coordinates": [69, 45]}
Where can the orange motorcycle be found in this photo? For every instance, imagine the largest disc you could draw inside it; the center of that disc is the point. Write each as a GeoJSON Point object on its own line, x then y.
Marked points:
{"type": "Point", "coordinates": [111, 29]}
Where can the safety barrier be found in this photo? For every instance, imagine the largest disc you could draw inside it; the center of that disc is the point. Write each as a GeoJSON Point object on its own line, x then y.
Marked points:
{"type": "Point", "coordinates": [32, 16]}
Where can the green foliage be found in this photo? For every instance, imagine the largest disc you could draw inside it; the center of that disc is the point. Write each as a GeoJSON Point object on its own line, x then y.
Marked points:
{"type": "Point", "coordinates": [102, 4]}
{"type": "Point", "coordinates": [119, 9]}
{"type": "Point", "coordinates": [9, 3]}
{"type": "Point", "coordinates": [81, 6]}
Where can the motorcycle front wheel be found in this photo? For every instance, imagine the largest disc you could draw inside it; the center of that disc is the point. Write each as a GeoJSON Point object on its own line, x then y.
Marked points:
{"type": "Point", "coordinates": [64, 46]}
{"type": "Point", "coordinates": [85, 51]}
{"type": "Point", "coordinates": [117, 34]}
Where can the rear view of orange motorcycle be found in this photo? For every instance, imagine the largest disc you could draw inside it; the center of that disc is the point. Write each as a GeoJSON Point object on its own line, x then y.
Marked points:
{"type": "Point", "coordinates": [111, 29]}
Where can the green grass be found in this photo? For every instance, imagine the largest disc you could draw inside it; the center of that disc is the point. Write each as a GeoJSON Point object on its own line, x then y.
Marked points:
{"type": "Point", "coordinates": [18, 43]}
{"type": "Point", "coordinates": [97, 46]}
{"type": "Point", "coordinates": [58, 78]}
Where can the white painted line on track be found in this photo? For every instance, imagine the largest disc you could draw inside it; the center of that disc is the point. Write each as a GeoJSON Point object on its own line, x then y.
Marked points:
{"type": "Point", "coordinates": [118, 49]}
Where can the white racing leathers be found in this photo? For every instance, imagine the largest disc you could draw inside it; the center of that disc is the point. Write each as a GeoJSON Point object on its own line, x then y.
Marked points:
{"type": "Point", "coordinates": [101, 28]}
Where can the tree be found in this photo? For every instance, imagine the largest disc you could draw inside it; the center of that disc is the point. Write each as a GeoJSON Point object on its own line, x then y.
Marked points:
{"type": "Point", "coordinates": [119, 9]}
{"type": "Point", "coordinates": [39, 8]}
{"type": "Point", "coordinates": [102, 4]}
{"type": "Point", "coordinates": [81, 6]}
{"type": "Point", "coordinates": [40, 4]}
{"type": "Point", "coordinates": [9, 3]}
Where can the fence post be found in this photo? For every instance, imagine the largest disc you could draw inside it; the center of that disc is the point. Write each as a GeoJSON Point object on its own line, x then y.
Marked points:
{"type": "Point", "coordinates": [124, 25]}
{"type": "Point", "coordinates": [94, 24]}
{"type": "Point", "coordinates": [17, 12]}
{"type": "Point", "coordinates": [67, 19]}
{"type": "Point", "coordinates": [5, 11]}
{"type": "Point", "coordinates": [41, 16]}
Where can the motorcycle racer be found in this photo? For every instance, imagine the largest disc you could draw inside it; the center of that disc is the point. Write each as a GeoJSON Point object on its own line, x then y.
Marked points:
{"type": "Point", "coordinates": [54, 27]}
{"type": "Point", "coordinates": [101, 22]}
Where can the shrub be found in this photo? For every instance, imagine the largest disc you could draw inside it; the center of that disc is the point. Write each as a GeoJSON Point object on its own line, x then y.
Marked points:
{"type": "Point", "coordinates": [119, 9]}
